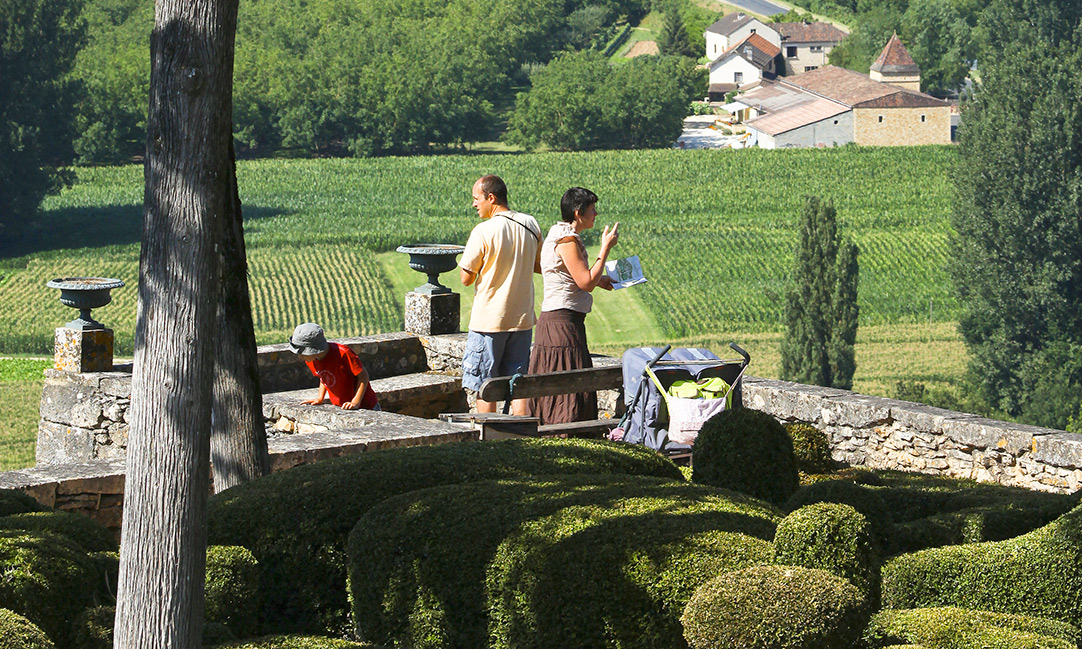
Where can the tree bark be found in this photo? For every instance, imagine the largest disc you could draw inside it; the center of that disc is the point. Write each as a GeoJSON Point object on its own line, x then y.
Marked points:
{"type": "Point", "coordinates": [187, 202]}
{"type": "Point", "coordinates": [238, 442]}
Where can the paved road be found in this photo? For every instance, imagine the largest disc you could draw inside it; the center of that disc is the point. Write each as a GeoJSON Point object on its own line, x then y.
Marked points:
{"type": "Point", "coordinates": [698, 134]}
{"type": "Point", "coordinates": [761, 7]}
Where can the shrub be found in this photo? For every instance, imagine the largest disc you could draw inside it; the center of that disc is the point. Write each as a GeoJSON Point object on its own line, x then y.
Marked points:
{"type": "Point", "coordinates": [747, 451]}
{"type": "Point", "coordinates": [85, 532]}
{"type": "Point", "coordinates": [232, 589]}
{"type": "Point", "coordinates": [831, 537]}
{"type": "Point", "coordinates": [296, 522]}
{"type": "Point", "coordinates": [571, 561]}
{"type": "Point", "coordinates": [17, 632]}
{"type": "Point", "coordinates": [46, 578]}
{"type": "Point", "coordinates": [13, 501]}
{"type": "Point", "coordinates": [810, 447]}
{"type": "Point", "coordinates": [867, 501]}
{"type": "Point", "coordinates": [1038, 574]}
{"type": "Point", "coordinates": [93, 629]}
{"type": "Point", "coordinates": [295, 642]}
{"type": "Point", "coordinates": [956, 628]}
{"type": "Point", "coordinates": [775, 607]}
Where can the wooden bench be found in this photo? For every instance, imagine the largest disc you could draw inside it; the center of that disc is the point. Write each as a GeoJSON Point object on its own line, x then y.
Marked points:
{"type": "Point", "coordinates": [528, 386]}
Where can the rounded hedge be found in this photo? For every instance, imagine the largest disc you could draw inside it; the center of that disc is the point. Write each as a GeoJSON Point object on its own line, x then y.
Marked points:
{"type": "Point", "coordinates": [295, 642]}
{"type": "Point", "coordinates": [557, 561]}
{"type": "Point", "coordinates": [13, 501]}
{"type": "Point", "coordinates": [865, 500]}
{"type": "Point", "coordinates": [296, 522]}
{"type": "Point", "coordinates": [93, 629]}
{"type": "Point", "coordinates": [232, 589]}
{"type": "Point", "coordinates": [811, 448]}
{"type": "Point", "coordinates": [747, 451]}
{"type": "Point", "coordinates": [17, 632]}
{"type": "Point", "coordinates": [48, 579]}
{"type": "Point", "coordinates": [85, 532]}
{"type": "Point", "coordinates": [1037, 574]}
{"type": "Point", "coordinates": [831, 537]}
{"type": "Point", "coordinates": [957, 628]}
{"type": "Point", "coordinates": [775, 607]}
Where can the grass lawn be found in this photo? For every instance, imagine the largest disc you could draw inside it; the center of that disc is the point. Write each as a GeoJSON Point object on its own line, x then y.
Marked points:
{"type": "Point", "coordinates": [20, 383]}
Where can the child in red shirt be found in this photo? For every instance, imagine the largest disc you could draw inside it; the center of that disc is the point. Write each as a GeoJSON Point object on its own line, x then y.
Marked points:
{"type": "Point", "coordinates": [342, 377]}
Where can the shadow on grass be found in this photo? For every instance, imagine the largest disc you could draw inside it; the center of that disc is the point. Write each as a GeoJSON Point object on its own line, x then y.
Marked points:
{"type": "Point", "coordinates": [92, 227]}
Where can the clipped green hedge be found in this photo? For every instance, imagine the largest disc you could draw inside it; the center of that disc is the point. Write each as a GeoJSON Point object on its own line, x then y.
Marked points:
{"type": "Point", "coordinates": [810, 447]}
{"type": "Point", "coordinates": [747, 451]}
{"type": "Point", "coordinates": [85, 532]}
{"type": "Point", "coordinates": [93, 629]}
{"type": "Point", "coordinates": [47, 579]}
{"type": "Point", "coordinates": [570, 561]}
{"type": "Point", "coordinates": [295, 642]}
{"type": "Point", "coordinates": [775, 607]}
{"type": "Point", "coordinates": [1038, 574]}
{"type": "Point", "coordinates": [232, 589]}
{"type": "Point", "coordinates": [831, 537]}
{"type": "Point", "coordinates": [13, 501]}
{"type": "Point", "coordinates": [17, 632]}
{"type": "Point", "coordinates": [957, 628]}
{"type": "Point", "coordinates": [296, 522]}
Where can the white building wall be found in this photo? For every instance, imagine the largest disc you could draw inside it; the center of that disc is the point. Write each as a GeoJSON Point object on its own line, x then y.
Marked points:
{"type": "Point", "coordinates": [725, 71]}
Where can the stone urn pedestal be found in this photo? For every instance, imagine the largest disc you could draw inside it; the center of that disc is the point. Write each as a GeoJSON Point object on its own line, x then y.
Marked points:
{"type": "Point", "coordinates": [84, 344]}
{"type": "Point", "coordinates": [432, 309]}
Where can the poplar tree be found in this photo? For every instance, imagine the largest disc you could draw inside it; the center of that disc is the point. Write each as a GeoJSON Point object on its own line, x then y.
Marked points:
{"type": "Point", "coordinates": [674, 40]}
{"type": "Point", "coordinates": [821, 305]}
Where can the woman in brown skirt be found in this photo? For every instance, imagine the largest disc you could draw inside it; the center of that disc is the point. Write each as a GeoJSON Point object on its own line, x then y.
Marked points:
{"type": "Point", "coordinates": [569, 277]}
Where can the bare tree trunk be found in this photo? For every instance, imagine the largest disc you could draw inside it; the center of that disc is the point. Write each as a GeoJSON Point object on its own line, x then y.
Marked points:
{"type": "Point", "coordinates": [188, 200]}
{"type": "Point", "coordinates": [238, 441]}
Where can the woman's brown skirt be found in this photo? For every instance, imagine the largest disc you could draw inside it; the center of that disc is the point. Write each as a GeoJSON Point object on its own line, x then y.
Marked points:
{"type": "Point", "coordinates": [560, 344]}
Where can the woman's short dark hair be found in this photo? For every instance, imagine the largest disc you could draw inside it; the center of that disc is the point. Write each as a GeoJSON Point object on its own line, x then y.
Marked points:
{"type": "Point", "coordinates": [576, 199]}
{"type": "Point", "coordinates": [494, 185]}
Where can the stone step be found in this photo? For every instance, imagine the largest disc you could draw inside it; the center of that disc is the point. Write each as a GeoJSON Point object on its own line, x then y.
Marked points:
{"type": "Point", "coordinates": [421, 395]}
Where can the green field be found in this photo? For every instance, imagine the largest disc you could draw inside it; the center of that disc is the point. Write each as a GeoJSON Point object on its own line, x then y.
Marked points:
{"type": "Point", "coordinates": [715, 231]}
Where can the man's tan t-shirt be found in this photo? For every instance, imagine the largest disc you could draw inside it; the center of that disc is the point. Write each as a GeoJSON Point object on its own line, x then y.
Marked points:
{"type": "Point", "coordinates": [503, 251]}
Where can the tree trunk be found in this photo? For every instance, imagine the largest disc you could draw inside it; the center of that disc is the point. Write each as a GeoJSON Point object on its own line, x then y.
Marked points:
{"type": "Point", "coordinates": [188, 200]}
{"type": "Point", "coordinates": [238, 442]}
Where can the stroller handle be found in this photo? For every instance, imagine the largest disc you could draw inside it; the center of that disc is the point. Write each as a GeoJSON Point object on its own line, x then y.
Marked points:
{"type": "Point", "coordinates": [739, 350]}
{"type": "Point", "coordinates": [659, 356]}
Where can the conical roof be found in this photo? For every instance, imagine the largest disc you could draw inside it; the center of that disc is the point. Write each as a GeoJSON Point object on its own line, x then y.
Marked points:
{"type": "Point", "coordinates": [895, 59]}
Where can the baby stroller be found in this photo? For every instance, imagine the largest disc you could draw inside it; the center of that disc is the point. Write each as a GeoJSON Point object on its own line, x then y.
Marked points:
{"type": "Point", "coordinates": [667, 423]}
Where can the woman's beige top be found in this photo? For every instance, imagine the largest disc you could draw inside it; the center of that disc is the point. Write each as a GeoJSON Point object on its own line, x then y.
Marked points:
{"type": "Point", "coordinates": [561, 291]}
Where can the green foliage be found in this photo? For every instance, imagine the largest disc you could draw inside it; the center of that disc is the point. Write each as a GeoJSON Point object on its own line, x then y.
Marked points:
{"type": "Point", "coordinates": [296, 642]}
{"type": "Point", "coordinates": [868, 502]}
{"type": "Point", "coordinates": [93, 629]}
{"type": "Point", "coordinates": [747, 451]}
{"type": "Point", "coordinates": [13, 501]}
{"type": "Point", "coordinates": [48, 579]}
{"type": "Point", "coordinates": [232, 589]}
{"type": "Point", "coordinates": [811, 448]}
{"type": "Point", "coordinates": [821, 310]}
{"type": "Point", "coordinates": [673, 40]}
{"type": "Point", "coordinates": [22, 369]}
{"type": "Point", "coordinates": [775, 607]}
{"type": "Point", "coordinates": [794, 15]}
{"type": "Point", "coordinates": [870, 34]}
{"type": "Point", "coordinates": [38, 43]}
{"type": "Point", "coordinates": [938, 38]}
{"type": "Point", "coordinates": [831, 537]}
{"type": "Point", "coordinates": [956, 628]}
{"type": "Point", "coordinates": [538, 540]}
{"type": "Point", "coordinates": [296, 522]}
{"type": "Point", "coordinates": [17, 632]}
{"type": "Point", "coordinates": [81, 530]}
{"type": "Point", "coordinates": [581, 102]}
{"type": "Point", "coordinates": [1017, 262]}
{"type": "Point", "coordinates": [1037, 574]}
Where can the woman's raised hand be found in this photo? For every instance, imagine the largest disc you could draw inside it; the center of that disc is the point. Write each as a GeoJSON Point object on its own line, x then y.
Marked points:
{"type": "Point", "coordinates": [609, 237]}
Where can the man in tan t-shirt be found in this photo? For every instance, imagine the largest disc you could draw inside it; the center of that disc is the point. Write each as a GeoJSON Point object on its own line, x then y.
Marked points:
{"type": "Point", "coordinates": [501, 256]}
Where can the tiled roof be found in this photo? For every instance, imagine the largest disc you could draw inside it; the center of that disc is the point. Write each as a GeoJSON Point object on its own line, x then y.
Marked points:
{"type": "Point", "coordinates": [857, 90]}
{"type": "Point", "coordinates": [797, 116]}
{"type": "Point", "coordinates": [895, 59]}
{"type": "Point", "coordinates": [729, 23]}
{"type": "Point", "coordinates": [753, 48]}
{"type": "Point", "coordinates": [820, 32]}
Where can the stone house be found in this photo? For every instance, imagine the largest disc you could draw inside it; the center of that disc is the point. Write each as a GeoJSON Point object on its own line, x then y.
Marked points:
{"type": "Point", "coordinates": [744, 64]}
{"type": "Point", "coordinates": [732, 29]}
{"type": "Point", "coordinates": [805, 46]}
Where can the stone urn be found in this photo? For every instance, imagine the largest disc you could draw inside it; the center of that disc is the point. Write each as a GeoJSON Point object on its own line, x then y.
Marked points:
{"type": "Point", "coordinates": [432, 259]}
{"type": "Point", "coordinates": [85, 293]}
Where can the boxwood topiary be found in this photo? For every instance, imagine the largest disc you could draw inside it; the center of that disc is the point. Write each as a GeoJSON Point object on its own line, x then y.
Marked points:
{"type": "Point", "coordinates": [296, 642]}
{"type": "Point", "coordinates": [47, 579]}
{"type": "Point", "coordinates": [17, 632]}
{"type": "Point", "coordinates": [85, 532]}
{"type": "Point", "coordinates": [296, 522]}
{"type": "Point", "coordinates": [957, 628]}
{"type": "Point", "coordinates": [831, 537]}
{"type": "Point", "coordinates": [93, 628]}
{"type": "Point", "coordinates": [865, 500]}
{"type": "Point", "coordinates": [775, 607]}
{"type": "Point", "coordinates": [747, 451]}
{"type": "Point", "coordinates": [1038, 574]}
{"type": "Point", "coordinates": [810, 447]}
{"type": "Point", "coordinates": [582, 557]}
{"type": "Point", "coordinates": [13, 501]}
{"type": "Point", "coordinates": [232, 589]}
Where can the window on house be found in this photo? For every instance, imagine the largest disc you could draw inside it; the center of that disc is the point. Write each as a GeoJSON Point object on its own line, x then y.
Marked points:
{"type": "Point", "coordinates": [715, 48]}
{"type": "Point", "coordinates": [790, 52]}
{"type": "Point", "coordinates": [809, 68]}
{"type": "Point", "coordinates": [880, 119]}
{"type": "Point", "coordinates": [835, 122]}
{"type": "Point", "coordinates": [753, 30]}
{"type": "Point", "coordinates": [923, 118]}
{"type": "Point", "coordinates": [816, 48]}
{"type": "Point", "coordinates": [738, 77]}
